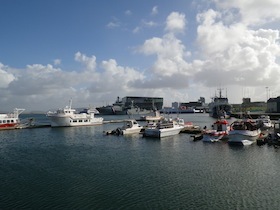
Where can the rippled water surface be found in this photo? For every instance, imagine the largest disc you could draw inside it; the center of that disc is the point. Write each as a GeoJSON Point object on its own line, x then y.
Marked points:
{"type": "Point", "coordinates": [81, 168]}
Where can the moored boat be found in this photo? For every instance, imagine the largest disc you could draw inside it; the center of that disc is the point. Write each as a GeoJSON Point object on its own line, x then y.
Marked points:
{"type": "Point", "coordinates": [122, 108]}
{"type": "Point", "coordinates": [68, 117]}
{"type": "Point", "coordinates": [129, 127]}
{"type": "Point", "coordinates": [220, 107]}
{"type": "Point", "coordinates": [10, 120]}
{"type": "Point", "coordinates": [244, 132]}
{"type": "Point", "coordinates": [264, 122]}
{"type": "Point", "coordinates": [219, 131]}
{"type": "Point", "coordinates": [155, 117]}
{"type": "Point", "coordinates": [163, 128]}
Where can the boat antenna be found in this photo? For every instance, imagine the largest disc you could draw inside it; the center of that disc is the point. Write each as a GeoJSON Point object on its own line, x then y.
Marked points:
{"type": "Point", "coordinates": [226, 92]}
{"type": "Point", "coordinates": [70, 103]}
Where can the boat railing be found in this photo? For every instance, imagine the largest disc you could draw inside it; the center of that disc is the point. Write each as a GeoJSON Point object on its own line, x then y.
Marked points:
{"type": "Point", "coordinates": [165, 125]}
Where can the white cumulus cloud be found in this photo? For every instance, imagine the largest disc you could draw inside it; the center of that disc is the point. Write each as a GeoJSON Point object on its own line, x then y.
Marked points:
{"type": "Point", "coordinates": [175, 22]}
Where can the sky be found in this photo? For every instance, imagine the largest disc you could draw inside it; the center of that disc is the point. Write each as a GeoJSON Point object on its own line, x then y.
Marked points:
{"type": "Point", "coordinates": [93, 51]}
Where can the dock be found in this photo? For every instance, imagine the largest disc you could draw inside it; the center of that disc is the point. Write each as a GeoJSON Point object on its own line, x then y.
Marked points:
{"type": "Point", "coordinates": [255, 115]}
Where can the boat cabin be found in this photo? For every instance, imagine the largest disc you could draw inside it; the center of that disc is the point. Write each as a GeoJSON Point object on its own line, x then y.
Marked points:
{"type": "Point", "coordinates": [130, 124]}
{"type": "Point", "coordinates": [220, 125]}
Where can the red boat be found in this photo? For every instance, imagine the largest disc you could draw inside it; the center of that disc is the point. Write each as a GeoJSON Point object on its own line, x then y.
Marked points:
{"type": "Point", "coordinates": [10, 120]}
{"type": "Point", "coordinates": [219, 131]}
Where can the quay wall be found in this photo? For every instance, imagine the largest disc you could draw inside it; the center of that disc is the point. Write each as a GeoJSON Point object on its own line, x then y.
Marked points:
{"type": "Point", "coordinates": [255, 115]}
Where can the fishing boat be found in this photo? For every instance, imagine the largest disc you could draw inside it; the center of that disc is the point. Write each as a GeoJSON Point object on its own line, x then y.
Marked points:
{"type": "Point", "coordinates": [219, 107]}
{"type": "Point", "coordinates": [219, 131]}
{"type": "Point", "coordinates": [244, 132]}
{"type": "Point", "coordinates": [67, 117]}
{"type": "Point", "coordinates": [163, 128]}
{"type": "Point", "coordinates": [130, 126]}
{"type": "Point", "coordinates": [10, 120]}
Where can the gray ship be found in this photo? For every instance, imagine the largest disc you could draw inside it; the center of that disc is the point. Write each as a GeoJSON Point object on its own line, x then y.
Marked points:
{"type": "Point", "coordinates": [132, 105]}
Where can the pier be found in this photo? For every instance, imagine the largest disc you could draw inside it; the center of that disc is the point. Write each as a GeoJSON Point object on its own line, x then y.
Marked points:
{"type": "Point", "coordinates": [255, 115]}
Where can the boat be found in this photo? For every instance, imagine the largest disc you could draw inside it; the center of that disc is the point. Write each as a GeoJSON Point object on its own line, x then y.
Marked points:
{"type": "Point", "coordinates": [130, 126]}
{"type": "Point", "coordinates": [130, 110]}
{"type": "Point", "coordinates": [273, 137]}
{"type": "Point", "coordinates": [220, 107]}
{"type": "Point", "coordinates": [68, 117]}
{"type": "Point", "coordinates": [164, 128]}
{"type": "Point", "coordinates": [244, 132]}
{"type": "Point", "coordinates": [219, 131]}
{"type": "Point", "coordinates": [180, 110]}
{"type": "Point", "coordinates": [264, 121]}
{"type": "Point", "coordinates": [155, 117]}
{"type": "Point", "coordinates": [197, 137]}
{"type": "Point", "coordinates": [111, 109]}
{"type": "Point", "coordinates": [10, 120]}
{"type": "Point", "coordinates": [119, 108]}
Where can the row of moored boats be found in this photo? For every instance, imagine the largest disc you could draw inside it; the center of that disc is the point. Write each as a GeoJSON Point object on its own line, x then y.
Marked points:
{"type": "Point", "coordinates": [244, 131]}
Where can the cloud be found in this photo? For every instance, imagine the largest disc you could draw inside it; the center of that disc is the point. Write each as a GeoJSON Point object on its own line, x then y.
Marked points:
{"type": "Point", "coordinates": [175, 22]}
{"type": "Point", "coordinates": [253, 12]}
{"type": "Point", "coordinates": [89, 62]}
{"type": "Point", "coordinates": [170, 54]}
{"type": "Point", "coordinates": [52, 87]}
{"type": "Point", "coordinates": [154, 10]}
{"type": "Point", "coordinates": [136, 29]}
{"type": "Point", "coordinates": [236, 54]}
{"type": "Point", "coordinates": [128, 12]}
{"type": "Point", "coordinates": [57, 62]}
{"type": "Point", "coordinates": [149, 23]}
{"type": "Point", "coordinates": [115, 23]}
{"type": "Point", "coordinates": [5, 77]}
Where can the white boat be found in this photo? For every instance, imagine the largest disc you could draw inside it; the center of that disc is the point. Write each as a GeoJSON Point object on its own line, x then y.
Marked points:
{"type": "Point", "coordinates": [129, 127]}
{"type": "Point", "coordinates": [219, 131]}
{"type": "Point", "coordinates": [166, 127]}
{"type": "Point", "coordinates": [10, 120]}
{"type": "Point", "coordinates": [68, 117]}
{"type": "Point", "coordinates": [264, 121]}
{"type": "Point", "coordinates": [244, 130]}
{"type": "Point", "coordinates": [155, 117]}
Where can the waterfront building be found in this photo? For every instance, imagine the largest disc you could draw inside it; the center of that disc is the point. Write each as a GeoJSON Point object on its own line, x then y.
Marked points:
{"type": "Point", "coordinates": [273, 105]}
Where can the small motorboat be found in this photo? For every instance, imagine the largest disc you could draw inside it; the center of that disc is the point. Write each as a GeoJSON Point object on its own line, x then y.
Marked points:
{"type": "Point", "coordinates": [129, 127]}
{"type": "Point", "coordinates": [164, 128]}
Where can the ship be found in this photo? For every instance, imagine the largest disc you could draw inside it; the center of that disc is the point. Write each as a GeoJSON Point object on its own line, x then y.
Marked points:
{"type": "Point", "coordinates": [11, 120]}
{"type": "Point", "coordinates": [220, 107]}
{"type": "Point", "coordinates": [132, 105]}
{"type": "Point", "coordinates": [68, 117]}
{"type": "Point", "coordinates": [111, 109]}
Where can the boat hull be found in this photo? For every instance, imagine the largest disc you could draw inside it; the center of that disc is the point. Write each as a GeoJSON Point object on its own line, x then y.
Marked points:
{"type": "Point", "coordinates": [238, 136]}
{"type": "Point", "coordinates": [132, 131]}
{"type": "Point", "coordinates": [64, 121]}
{"type": "Point", "coordinates": [11, 120]}
{"type": "Point", "coordinates": [9, 126]}
{"type": "Point", "coordinates": [213, 138]}
{"type": "Point", "coordinates": [159, 133]}
{"type": "Point", "coordinates": [107, 110]}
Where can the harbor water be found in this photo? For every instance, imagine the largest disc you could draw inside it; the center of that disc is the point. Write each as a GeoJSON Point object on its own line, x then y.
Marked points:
{"type": "Point", "coordinates": [81, 168]}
